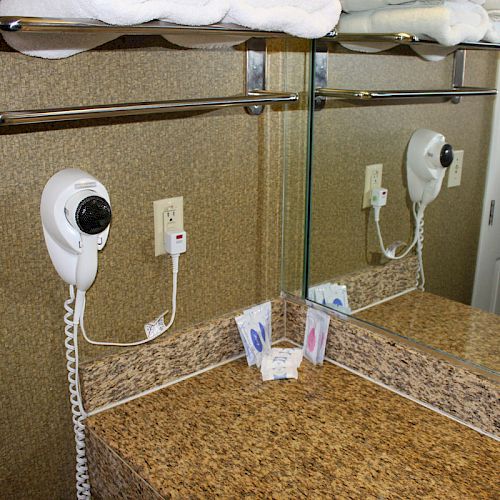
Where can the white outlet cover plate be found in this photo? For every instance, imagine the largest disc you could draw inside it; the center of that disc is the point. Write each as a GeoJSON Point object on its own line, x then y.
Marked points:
{"type": "Point", "coordinates": [373, 179]}
{"type": "Point", "coordinates": [159, 208]}
{"type": "Point", "coordinates": [455, 170]}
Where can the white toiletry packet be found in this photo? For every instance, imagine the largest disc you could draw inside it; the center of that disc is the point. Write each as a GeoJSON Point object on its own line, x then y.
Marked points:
{"type": "Point", "coordinates": [315, 336]}
{"type": "Point", "coordinates": [331, 295]}
{"type": "Point", "coordinates": [255, 330]}
{"type": "Point", "coordinates": [336, 297]}
{"type": "Point", "coordinates": [317, 294]}
{"type": "Point", "coordinates": [281, 363]}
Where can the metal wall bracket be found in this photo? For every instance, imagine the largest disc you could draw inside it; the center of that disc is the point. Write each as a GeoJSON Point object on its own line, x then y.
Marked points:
{"type": "Point", "coordinates": [256, 71]}
{"type": "Point", "coordinates": [458, 73]}
{"type": "Point", "coordinates": [320, 72]}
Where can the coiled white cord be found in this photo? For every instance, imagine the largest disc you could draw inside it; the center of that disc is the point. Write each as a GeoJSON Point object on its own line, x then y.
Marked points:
{"type": "Point", "coordinates": [71, 343]}
{"type": "Point", "coordinates": [420, 248]}
{"type": "Point", "coordinates": [175, 272]}
{"type": "Point", "coordinates": [78, 413]}
{"type": "Point", "coordinates": [410, 247]}
{"type": "Point", "coordinates": [418, 241]}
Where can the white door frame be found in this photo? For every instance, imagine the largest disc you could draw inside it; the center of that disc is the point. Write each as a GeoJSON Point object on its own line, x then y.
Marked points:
{"type": "Point", "coordinates": [489, 241]}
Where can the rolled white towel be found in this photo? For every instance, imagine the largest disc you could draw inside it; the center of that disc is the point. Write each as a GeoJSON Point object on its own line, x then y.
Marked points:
{"type": "Point", "coordinates": [56, 46]}
{"type": "Point", "coordinates": [302, 18]}
{"type": "Point", "coordinates": [359, 5]}
{"type": "Point", "coordinates": [450, 23]}
{"type": "Point", "coordinates": [493, 33]}
{"type": "Point", "coordinates": [189, 12]}
{"type": "Point", "coordinates": [493, 9]}
{"type": "Point", "coordinates": [119, 12]}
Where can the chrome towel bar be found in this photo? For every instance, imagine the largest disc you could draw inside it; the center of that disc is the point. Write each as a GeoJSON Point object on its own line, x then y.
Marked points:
{"type": "Point", "coordinates": [56, 25]}
{"type": "Point", "coordinates": [366, 95]}
{"type": "Point", "coordinates": [53, 25]}
{"type": "Point", "coordinates": [260, 98]}
{"type": "Point", "coordinates": [401, 39]}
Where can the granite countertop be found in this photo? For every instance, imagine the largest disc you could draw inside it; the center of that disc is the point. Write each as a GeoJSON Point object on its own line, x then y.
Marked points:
{"type": "Point", "coordinates": [464, 331]}
{"type": "Point", "coordinates": [227, 434]}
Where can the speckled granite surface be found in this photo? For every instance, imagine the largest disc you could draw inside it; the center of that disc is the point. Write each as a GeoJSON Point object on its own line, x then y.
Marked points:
{"type": "Point", "coordinates": [172, 356]}
{"type": "Point", "coordinates": [421, 374]}
{"type": "Point", "coordinates": [376, 283]}
{"type": "Point", "coordinates": [112, 478]}
{"type": "Point", "coordinates": [464, 331]}
{"type": "Point", "coordinates": [227, 434]}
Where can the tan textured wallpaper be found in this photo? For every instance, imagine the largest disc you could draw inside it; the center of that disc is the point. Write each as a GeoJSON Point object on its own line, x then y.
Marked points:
{"type": "Point", "coordinates": [226, 164]}
{"type": "Point", "coordinates": [349, 137]}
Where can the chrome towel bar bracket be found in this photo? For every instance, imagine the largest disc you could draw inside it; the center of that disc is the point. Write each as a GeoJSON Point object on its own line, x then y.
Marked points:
{"type": "Point", "coordinates": [256, 70]}
{"type": "Point", "coordinates": [458, 78]}
{"type": "Point", "coordinates": [320, 72]}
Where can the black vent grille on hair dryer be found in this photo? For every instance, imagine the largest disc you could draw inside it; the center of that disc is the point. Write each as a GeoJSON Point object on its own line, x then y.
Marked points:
{"type": "Point", "coordinates": [93, 215]}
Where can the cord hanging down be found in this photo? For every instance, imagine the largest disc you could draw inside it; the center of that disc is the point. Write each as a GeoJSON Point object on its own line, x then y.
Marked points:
{"type": "Point", "coordinates": [72, 364]}
{"type": "Point", "coordinates": [78, 413]}
{"type": "Point", "coordinates": [418, 241]}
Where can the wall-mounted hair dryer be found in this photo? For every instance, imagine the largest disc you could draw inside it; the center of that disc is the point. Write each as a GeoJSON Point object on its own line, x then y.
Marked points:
{"type": "Point", "coordinates": [76, 215]}
{"type": "Point", "coordinates": [427, 159]}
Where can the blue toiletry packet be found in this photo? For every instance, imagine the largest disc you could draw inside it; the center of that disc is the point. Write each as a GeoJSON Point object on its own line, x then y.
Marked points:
{"type": "Point", "coordinates": [254, 326]}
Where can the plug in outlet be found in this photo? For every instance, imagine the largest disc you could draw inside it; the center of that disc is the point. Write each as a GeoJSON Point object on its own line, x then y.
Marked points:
{"type": "Point", "coordinates": [455, 170]}
{"type": "Point", "coordinates": [168, 216]}
{"type": "Point", "coordinates": [373, 180]}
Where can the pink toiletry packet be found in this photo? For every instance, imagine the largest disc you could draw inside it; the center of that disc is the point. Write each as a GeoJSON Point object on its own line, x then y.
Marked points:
{"type": "Point", "coordinates": [315, 336]}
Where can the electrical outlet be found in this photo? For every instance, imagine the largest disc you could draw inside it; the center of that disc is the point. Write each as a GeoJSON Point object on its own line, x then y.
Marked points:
{"type": "Point", "coordinates": [168, 216]}
{"type": "Point", "coordinates": [455, 170]}
{"type": "Point", "coordinates": [373, 179]}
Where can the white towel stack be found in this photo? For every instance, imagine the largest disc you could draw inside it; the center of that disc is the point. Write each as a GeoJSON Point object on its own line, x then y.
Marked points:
{"type": "Point", "coordinates": [359, 5]}
{"type": "Point", "coordinates": [304, 18]}
{"type": "Point", "coordinates": [49, 46]}
{"type": "Point", "coordinates": [449, 22]}
{"type": "Point", "coordinates": [119, 12]}
{"type": "Point", "coordinates": [493, 9]}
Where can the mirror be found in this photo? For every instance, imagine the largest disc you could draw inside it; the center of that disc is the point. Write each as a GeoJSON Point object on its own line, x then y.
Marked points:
{"type": "Point", "coordinates": [359, 142]}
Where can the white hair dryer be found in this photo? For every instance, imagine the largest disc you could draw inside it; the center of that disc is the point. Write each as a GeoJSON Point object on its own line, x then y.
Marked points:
{"type": "Point", "coordinates": [76, 215]}
{"type": "Point", "coordinates": [428, 157]}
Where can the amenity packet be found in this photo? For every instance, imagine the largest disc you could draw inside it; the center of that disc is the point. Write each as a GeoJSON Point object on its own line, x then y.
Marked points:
{"type": "Point", "coordinates": [254, 326]}
{"type": "Point", "coordinates": [317, 293]}
{"type": "Point", "coordinates": [261, 318]}
{"type": "Point", "coordinates": [336, 297]}
{"type": "Point", "coordinates": [249, 351]}
{"type": "Point", "coordinates": [315, 336]}
{"type": "Point", "coordinates": [281, 363]}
